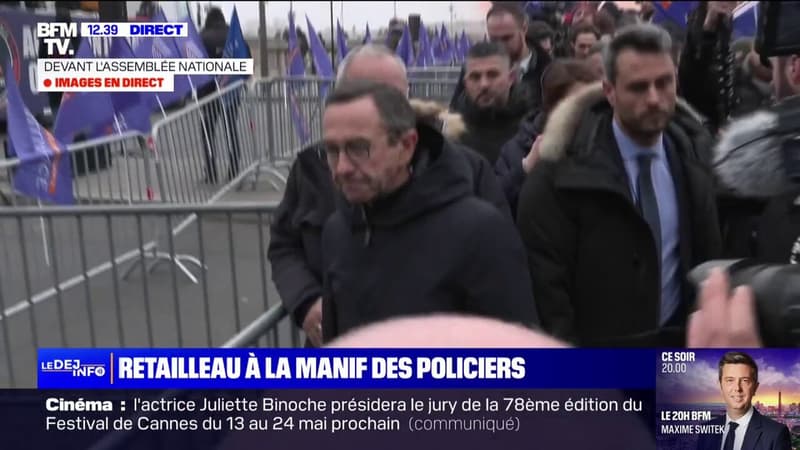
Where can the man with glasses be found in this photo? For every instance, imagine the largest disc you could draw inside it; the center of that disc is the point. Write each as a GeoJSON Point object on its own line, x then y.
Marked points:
{"type": "Point", "coordinates": [294, 249]}
{"type": "Point", "coordinates": [408, 235]}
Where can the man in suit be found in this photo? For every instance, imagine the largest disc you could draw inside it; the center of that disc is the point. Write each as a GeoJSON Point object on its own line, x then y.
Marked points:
{"type": "Point", "coordinates": [745, 427]}
{"type": "Point", "coordinates": [507, 25]}
{"type": "Point", "coordinates": [621, 204]}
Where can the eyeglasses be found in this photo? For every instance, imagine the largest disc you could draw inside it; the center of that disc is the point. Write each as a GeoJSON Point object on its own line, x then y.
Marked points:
{"type": "Point", "coordinates": [357, 150]}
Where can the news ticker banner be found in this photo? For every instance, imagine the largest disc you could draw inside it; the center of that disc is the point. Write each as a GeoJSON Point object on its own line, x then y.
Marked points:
{"type": "Point", "coordinates": [342, 368]}
{"type": "Point", "coordinates": [317, 418]}
{"type": "Point", "coordinates": [577, 398]}
{"type": "Point", "coordinates": [59, 74]}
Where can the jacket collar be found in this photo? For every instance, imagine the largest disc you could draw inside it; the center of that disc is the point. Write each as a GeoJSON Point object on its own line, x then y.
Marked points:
{"type": "Point", "coordinates": [439, 176]}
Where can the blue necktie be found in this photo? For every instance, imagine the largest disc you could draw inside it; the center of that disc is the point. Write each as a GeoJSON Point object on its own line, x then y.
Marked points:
{"type": "Point", "coordinates": [647, 199]}
{"type": "Point", "coordinates": [731, 436]}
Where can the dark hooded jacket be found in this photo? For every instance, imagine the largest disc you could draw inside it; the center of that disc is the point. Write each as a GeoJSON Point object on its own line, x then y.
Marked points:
{"type": "Point", "coordinates": [295, 250]}
{"type": "Point", "coordinates": [213, 35]}
{"type": "Point", "coordinates": [430, 246]}
{"type": "Point", "coordinates": [488, 129]}
{"type": "Point", "coordinates": [509, 165]}
{"type": "Point", "coordinates": [593, 260]}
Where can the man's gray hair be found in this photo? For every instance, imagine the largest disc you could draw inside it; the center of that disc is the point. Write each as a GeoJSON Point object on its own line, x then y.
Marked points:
{"type": "Point", "coordinates": [642, 37]}
{"type": "Point", "coordinates": [367, 50]}
{"type": "Point", "coordinates": [393, 107]}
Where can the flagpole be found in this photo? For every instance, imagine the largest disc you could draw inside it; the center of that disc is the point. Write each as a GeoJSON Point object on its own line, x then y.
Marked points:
{"type": "Point", "coordinates": [333, 57]}
{"type": "Point", "coordinates": [44, 235]}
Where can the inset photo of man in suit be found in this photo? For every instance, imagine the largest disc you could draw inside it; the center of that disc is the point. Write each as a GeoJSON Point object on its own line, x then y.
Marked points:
{"type": "Point", "coordinates": [745, 427]}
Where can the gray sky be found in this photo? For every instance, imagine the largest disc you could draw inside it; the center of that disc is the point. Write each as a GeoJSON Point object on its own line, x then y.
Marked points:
{"type": "Point", "coordinates": [377, 13]}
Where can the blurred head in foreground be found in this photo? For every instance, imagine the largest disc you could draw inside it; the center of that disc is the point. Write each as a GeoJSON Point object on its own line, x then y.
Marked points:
{"type": "Point", "coordinates": [445, 330]}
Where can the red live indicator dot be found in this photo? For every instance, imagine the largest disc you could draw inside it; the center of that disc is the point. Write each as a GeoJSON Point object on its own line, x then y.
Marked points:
{"type": "Point", "coordinates": [47, 83]}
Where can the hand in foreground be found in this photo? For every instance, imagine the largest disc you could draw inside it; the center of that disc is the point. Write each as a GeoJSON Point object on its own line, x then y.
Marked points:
{"type": "Point", "coordinates": [312, 324]}
{"type": "Point", "coordinates": [724, 319]}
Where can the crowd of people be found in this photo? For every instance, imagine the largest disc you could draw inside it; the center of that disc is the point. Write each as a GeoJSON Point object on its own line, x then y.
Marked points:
{"type": "Point", "coordinates": [568, 191]}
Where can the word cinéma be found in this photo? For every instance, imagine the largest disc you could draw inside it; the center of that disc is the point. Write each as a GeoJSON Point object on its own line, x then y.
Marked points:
{"type": "Point", "coordinates": [81, 405]}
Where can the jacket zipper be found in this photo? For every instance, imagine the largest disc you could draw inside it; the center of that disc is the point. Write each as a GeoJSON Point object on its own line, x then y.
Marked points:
{"type": "Point", "coordinates": [368, 233]}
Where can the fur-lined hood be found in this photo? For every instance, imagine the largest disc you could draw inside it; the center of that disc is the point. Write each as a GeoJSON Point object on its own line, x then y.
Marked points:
{"type": "Point", "coordinates": [748, 161]}
{"type": "Point", "coordinates": [450, 124]}
{"type": "Point", "coordinates": [563, 122]}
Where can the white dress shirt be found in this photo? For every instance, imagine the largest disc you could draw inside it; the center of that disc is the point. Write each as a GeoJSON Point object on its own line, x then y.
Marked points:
{"type": "Point", "coordinates": [743, 422]}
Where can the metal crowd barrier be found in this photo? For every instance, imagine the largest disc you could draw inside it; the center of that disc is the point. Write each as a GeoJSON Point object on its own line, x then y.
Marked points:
{"type": "Point", "coordinates": [62, 286]}
{"type": "Point", "coordinates": [440, 91]}
{"type": "Point", "coordinates": [109, 169]}
{"type": "Point", "coordinates": [205, 146]}
{"type": "Point", "coordinates": [451, 73]}
{"type": "Point", "coordinates": [275, 103]}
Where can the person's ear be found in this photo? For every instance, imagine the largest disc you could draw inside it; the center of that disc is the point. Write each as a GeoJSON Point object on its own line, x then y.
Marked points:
{"type": "Point", "coordinates": [610, 92]}
{"type": "Point", "coordinates": [408, 144]}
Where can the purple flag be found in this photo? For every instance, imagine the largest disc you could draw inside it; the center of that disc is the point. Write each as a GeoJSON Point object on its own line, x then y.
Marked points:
{"type": "Point", "coordinates": [745, 20]}
{"type": "Point", "coordinates": [465, 45]}
{"type": "Point", "coordinates": [367, 36]}
{"type": "Point", "coordinates": [45, 171]}
{"type": "Point", "coordinates": [425, 54]}
{"type": "Point", "coordinates": [82, 111]}
{"type": "Point", "coordinates": [160, 47]}
{"type": "Point", "coordinates": [405, 49]}
{"type": "Point", "coordinates": [341, 43]}
{"type": "Point", "coordinates": [319, 55]}
{"type": "Point", "coordinates": [675, 12]}
{"type": "Point", "coordinates": [443, 48]}
{"type": "Point", "coordinates": [132, 108]}
{"type": "Point", "coordinates": [192, 47]}
{"type": "Point", "coordinates": [447, 47]}
{"type": "Point", "coordinates": [296, 69]}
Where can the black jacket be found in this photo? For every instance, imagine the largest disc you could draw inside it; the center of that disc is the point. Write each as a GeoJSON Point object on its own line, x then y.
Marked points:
{"type": "Point", "coordinates": [295, 252]}
{"type": "Point", "coordinates": [762, 433]}
{"type": "Point", "coordinates": [592, 256]}
{"type": "Point", "coordinates": [509, 165]}
{"type": "Point", "coordinates": [531, 81]}
{"type": "Point", "coordinates": [431, 246]}
{"type": "Point", "coordinates": [489, 129]}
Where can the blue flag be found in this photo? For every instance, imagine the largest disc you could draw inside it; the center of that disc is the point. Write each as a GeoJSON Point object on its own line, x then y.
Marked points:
{"type": "Point", "coordinates": [745, 20]}
{"type": "Point", "coordinates": [675, 12]}
{"type": "Point", "coordinates": [341, 43]}
{"type": "Point", "coordinates": [296, 68]}
{"type": "Point", "coordinates": [132, 108]}
{"type": "Point", "coordinates": [405, 49]}
{"type": "Point", "coordinates": [192, 47]}
{"type": "Point", "coordinates": [465, 45]}
{"type": "Point", "coordinates": [425, 54]}
{"type": "Point", "coordinates": [367, 36]}
{"type": "Point", "coordinates": [444, 52]}
{"type": "Point", "coordinates": [235, 47]}
{"type": "Point", "coordinates": [82, 111]}
{"type": "Point", "coordinates": [165, 48]}
{"type": "Point", "coordinates": [45, 171]}
{"type": "Point", "coordinates": [320, 57]}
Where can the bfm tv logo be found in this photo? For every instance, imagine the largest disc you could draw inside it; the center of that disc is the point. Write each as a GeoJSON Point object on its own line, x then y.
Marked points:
{"type": "Point", "coordinates": [73, 366]}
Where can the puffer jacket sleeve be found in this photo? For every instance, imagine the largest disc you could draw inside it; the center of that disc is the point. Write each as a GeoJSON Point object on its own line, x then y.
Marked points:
{"type": "Point", "coordinates": [296, 281]}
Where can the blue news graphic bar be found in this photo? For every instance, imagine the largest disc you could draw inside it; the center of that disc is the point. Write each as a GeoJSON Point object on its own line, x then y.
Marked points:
{"type": "Point", "coordinates": [357, 369]}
